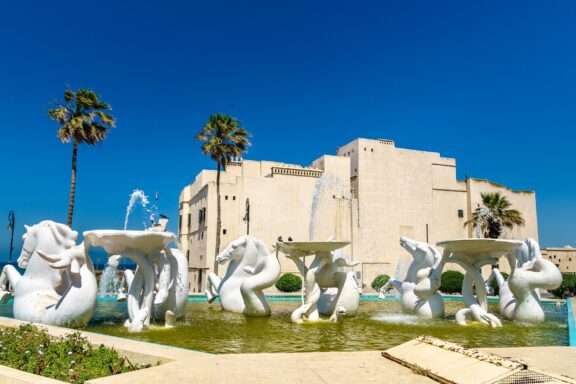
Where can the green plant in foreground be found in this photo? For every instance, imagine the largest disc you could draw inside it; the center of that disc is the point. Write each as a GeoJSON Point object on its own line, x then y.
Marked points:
{"type": "Point", "coordinates": [451, 282]}
{"type": "Point", "coordinates": [379, 282]}
{"type": "Point", "coordinates": [68, 358]}
{"type": "Point", "coordinates": [289, 282]}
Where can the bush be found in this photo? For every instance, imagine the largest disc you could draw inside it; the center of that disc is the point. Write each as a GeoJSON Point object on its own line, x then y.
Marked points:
{"type": "Point", "coordinates": [495, 286]}
{"type": "Point", "coordinates": [68, 358]}
{"type": "Point", "coordinates": [451, 282]}
{"type": "Point", "coordinates": [289, 282]}
{"type": "Point", "coordinates": [379, 282]}
{"type": "Point", "coordinates": [568, 283]}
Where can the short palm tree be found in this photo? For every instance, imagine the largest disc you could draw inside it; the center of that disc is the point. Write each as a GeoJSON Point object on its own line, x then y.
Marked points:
{"type": "Point", "coordinates": [222, 137]}
{"type": "Point", "coordinates": [82, 119]}
{"type": "Point", "coordinates": [495, 214]}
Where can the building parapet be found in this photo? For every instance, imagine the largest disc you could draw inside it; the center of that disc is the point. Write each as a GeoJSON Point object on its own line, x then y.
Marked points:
{"type": "Point", "coordinates": [297, 172]}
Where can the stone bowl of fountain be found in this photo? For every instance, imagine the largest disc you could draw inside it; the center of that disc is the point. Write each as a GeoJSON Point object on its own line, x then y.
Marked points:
{"type": "Point", "coordinates": [474, 247]}
{"type": "Point", "coordinates": [307, 248]}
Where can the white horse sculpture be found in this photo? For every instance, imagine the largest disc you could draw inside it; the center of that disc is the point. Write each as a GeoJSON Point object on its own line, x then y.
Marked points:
{"type": "Point", "coordinates": [418, 291]}
{"type": "Point", "coordinates": [59, 285]}
{"type": "Point", "coordinates": [519, 296]}
{"type": "Point", "coordinates": [251, 269]}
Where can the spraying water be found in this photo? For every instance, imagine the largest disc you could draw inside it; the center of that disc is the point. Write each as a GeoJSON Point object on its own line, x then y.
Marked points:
{"type": "Point", "coordinates": [109, 282]}
{"type": "Point", "coordinates": [483, 216]}
{"type": "Point", "coordinates": [329, 194]}
{"type": "Point", "coordinates": [136, 196]}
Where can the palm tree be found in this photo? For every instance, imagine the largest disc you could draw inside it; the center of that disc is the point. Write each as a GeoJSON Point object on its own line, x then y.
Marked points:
{"type": "Point", "coordinates": [82, 120]}
{"type": "Point", "coordinates": [222, 137]}
{"type": "Point", "coordinates": [494, 214]}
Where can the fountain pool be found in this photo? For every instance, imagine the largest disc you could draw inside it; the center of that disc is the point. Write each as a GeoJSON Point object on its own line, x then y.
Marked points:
{"type": "Point", "coordinates": [378, 325]}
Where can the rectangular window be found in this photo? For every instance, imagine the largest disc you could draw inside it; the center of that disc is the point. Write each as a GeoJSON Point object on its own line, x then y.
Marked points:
{"type": "Point", "coordinates": [226, 197]}
{"type": "Point", "coordinates": [460, 213]}
{"type": "Point", "coordinates": [223, 231]}
{"type": "Point", "coordinates": [189, 221]}
{"type": "Point", "coordinates": [201, 215]}
{"type": "Point", "coordinates": [180, 223]}
{"type": "Point", "coordinates": [233, 197]}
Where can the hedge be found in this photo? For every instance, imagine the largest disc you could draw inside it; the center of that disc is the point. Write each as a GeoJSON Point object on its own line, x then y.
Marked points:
{"type": "Point", "coordinates": [451, 282]}
{"type": "Point", "coordinates": [289, 282]}
{"type": "Point", "coordinates": [379, 282]}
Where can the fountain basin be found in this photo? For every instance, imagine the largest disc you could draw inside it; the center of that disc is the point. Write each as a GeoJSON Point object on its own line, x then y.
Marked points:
{"type": "Point", "coordinates": [378, 325]}
{"type": "Point", "coordinates": [119, 241]}
{"type": "Point", "coordinates": [474, 247]}
{"type": "Point", "coordinates": [306, 248]}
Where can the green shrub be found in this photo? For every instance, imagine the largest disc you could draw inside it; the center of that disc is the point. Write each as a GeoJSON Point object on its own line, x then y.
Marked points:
{"type": "Point", "coordinates": [379, 282]}
{"type": "Point", "coordinates": [495, 286]}
{"type": "Point", "coordinates": [68, 358]}
{"type": "Point", "coordinates": [451, 282]}
{"type": "Point", "coordinates": [289, 282]}
{"type": "Point", "coordinates": [568, 283]}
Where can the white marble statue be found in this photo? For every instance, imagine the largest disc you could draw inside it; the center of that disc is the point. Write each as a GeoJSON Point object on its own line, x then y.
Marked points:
{"type": "Point", "coordinates": [251, 269]}
{"type": "Point", "coordinates": [529, 272]}
{"type": "Point", "coordinates": [330, 290]}
{"type": "Point", "coordinates": [344, 295]}
{"type": "Point", "coordinates": [419, 289]}
{"type": "Point", "coordinates": [159, 287]}
{"type": "Point", "coordinates": [59, 285]}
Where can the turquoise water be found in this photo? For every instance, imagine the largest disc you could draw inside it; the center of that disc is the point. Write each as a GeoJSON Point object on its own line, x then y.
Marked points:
{"type": "Point", "coordinates": [380, 324]}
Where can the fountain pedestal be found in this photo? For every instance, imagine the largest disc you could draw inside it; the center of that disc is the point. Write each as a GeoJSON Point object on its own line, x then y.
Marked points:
{"type": "Point", "coordinates": [321, 274]}
{"type": "Point", "coordinates": [142, 247]}
{"type": "Point", "coordinates": [472, 255]}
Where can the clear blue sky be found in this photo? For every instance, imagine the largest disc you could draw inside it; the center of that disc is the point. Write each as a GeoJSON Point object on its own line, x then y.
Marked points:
{"type": "Point", "coordinates": [490, 83]}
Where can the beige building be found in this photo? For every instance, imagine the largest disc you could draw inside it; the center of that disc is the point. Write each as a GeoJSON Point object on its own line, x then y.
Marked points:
{"type": "Point", "coordinates": [370, 193]}
{"type": "Point", "coordinates": [564, 258]}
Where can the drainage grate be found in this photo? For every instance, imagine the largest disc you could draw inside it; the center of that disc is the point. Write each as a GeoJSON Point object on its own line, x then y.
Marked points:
{"type": "Point", "coordinates": [528, 376]}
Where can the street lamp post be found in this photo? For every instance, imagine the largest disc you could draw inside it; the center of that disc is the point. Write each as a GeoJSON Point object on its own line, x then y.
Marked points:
{"type": "Point", "coordinates": [11, 224]}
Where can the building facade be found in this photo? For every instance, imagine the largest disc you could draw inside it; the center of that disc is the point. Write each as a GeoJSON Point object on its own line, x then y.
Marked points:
{"type": "Point", "coordinates": [370, 193]}
{"type": "Point", "coordinates": [564, 258]}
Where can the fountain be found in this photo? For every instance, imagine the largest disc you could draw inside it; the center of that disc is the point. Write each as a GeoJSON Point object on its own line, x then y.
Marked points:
{"type": "Point", "coordinates": [147, 249]}
{"type": "Point", "coordinates": [323, 273]}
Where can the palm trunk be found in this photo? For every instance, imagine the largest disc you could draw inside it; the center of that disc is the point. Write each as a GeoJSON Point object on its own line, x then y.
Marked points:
{"type": "Point", "coordinates": [218, 219]}
{"type": "Point", "coordinates": [72, 184]}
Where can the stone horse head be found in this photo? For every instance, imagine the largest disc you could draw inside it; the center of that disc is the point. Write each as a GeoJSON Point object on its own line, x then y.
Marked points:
{"type": "Point", "coordinates": [419, 289]}
{"type": "Point", "coordinates": [245, 252]}
{"type": "Point", "coordinates": [251, 268]}
{"type": "Point", "coordinates": [425, 258]}
{"type": "Point", "coordinates": [529, 272]}
{"type": "Point", "coordinates": [59, 285]}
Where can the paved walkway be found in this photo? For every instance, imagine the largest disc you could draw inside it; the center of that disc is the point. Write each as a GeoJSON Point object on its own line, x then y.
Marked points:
{"type": "Point", "coordinates": [278, 368]}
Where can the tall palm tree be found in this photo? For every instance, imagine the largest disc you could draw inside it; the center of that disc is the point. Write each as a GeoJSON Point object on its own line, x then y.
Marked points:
{"type": "Point", "coordinates": [495, 214]}
{"type": "Point", "coordinates": [82, 119]}
{"type": "Point", "coordinates": [222, 137]}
